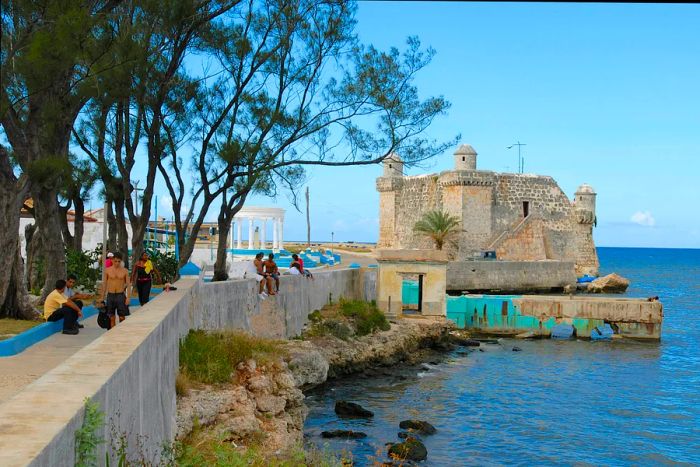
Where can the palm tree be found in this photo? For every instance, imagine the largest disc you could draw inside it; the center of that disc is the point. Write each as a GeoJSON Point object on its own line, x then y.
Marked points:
{"type": "Point", "coordinates": [439, 226]}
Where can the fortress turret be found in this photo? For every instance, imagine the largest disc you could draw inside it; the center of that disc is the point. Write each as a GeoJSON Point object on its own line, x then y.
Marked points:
{"type": "Point", "coordinates": [393, 165]}
{"type": "Point", "coordinates": [584, 200]}
{"type": "Point", "coordinates": [465, 158]}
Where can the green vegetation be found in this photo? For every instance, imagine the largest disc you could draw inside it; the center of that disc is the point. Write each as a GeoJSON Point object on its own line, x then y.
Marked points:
{"type": "Point", "coordinates": [439, 226]}
{"type": "Point", "coordinates": [212, 357]}
{"type": "Point", "coordinates": [86, 439]}
{"type": "Point", "coordinates": [165, 263]}
{"type": "Point", "coordinates": [206, 447]}
{"type": "Point", "coordinates": [86, 267]}
{"type": "Point", "coordinates": [11, 327]}
{"type": "Point", "coordinates": [347, 318]}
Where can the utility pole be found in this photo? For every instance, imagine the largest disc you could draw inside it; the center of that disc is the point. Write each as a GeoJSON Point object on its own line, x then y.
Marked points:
{"type": "Point", "coordinates": [521, 160]}
{"type": "Point", "coordinates": [308, 220]}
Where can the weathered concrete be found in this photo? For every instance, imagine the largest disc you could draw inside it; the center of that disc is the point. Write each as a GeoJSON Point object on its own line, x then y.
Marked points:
{"type": "Point", "coordinates": [130, 371]}
{"type": "Point", "coordinates": [512, 315]}
{"type": "Point", "coordinates": [510, 276]}
{"type": "Point", "coordinates": [394, 265]}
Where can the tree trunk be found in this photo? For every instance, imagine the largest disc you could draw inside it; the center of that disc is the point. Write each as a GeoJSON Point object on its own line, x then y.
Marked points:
{"type": "Point", "coordinates": [78, 224]}
{"type": "Point", "coordinates": [122, 232]}
{"type": "Point", "coordinates": [36, 275]}
{"type": "Point", "coordinates": [47, 217]}
{"type": "Point", "coordinates": [111, 228]}
{"type": "Point", "coordinates": [14, 302]}
{"type": "Point", "coordinates": [65, 230]}
{"type": "Point", "coordinates": [220, 269]}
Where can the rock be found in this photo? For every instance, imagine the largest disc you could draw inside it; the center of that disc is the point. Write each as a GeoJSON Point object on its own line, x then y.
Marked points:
{"type": "Point", "coordinates": [309, 368]}
{"type": "Point", "coordinates": [350, 409]}
{"type": "Point", "coordinates": [242, 426]}
{"type": "Point", "coordinates": [464, 342]}
{"type": "Point", "coordinates": [612, 283]}
{"type": "Point", "coordinates": [517, 349]}
{"type": "Point", "coordinates": [411, 449]}
{"type": "Point", "coordinates": [526, 335]}
{"type": "Point", "coordinates": [419, 426]}
{"type": "Point", "coordinates": [570, 288]}
{"type": "Point", "coordinates": [349, 434]}
{"type": "Point", "coordinates": [271, 404]}
{"type": "Point", "coordinates": [407, 434]}
{"type": "Point", "coordinates": [259, 384]}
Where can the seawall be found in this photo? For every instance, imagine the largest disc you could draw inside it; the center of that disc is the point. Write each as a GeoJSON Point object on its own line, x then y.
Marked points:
{"type": "Point", "coordinates": [130, 371]}
{"type": "Point", "coordinates": [510, 276]}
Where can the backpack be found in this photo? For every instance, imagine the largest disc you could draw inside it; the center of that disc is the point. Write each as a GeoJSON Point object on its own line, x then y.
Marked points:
{"type": "Point", "coordinates": [103, 320]}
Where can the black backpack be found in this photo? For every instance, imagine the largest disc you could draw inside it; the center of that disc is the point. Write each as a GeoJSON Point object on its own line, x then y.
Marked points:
{"type": "Point", "coordinates": [103, 320]}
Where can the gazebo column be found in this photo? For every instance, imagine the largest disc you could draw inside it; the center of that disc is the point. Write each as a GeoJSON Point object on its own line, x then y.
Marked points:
{"type": "Point", "coordinates": [233, 222]}
{"type": "Point", "coordinates": [263, 228]}
{"type": "Point", "coordinates": [250, 233]}
{"type": "Point", "coordinates": [239, 224]}
{"type": "Point", "coordinates": [280, 233]}
{"type": "Point", "coordinates": [275, 237]}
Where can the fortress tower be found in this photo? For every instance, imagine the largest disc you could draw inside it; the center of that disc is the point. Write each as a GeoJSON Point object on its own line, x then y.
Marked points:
{"type": "Point", "coordinates": [389, 186]}
{"type": "Point", "coordinates": [465, 158]}
{"type": "Point", "coordinates": [584, 209]}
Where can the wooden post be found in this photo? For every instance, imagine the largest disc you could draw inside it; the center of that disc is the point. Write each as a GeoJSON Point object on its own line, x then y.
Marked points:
{"type": "Point", "coordinates": [308, 221]}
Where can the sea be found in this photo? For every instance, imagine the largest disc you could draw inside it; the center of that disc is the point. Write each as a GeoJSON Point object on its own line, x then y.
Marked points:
{"type": "Point", "coordinates": [572, 402]}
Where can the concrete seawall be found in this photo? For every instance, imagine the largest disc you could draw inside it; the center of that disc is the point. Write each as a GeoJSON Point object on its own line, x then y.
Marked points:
{"type": "Point", "coordinates": [130, 371]}
{"type": "Point", "coordinates": [510, 276]}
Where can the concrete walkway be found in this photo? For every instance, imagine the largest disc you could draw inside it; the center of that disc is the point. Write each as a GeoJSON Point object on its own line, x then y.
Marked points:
{"type": "Point", "coordinates": [18, 371]}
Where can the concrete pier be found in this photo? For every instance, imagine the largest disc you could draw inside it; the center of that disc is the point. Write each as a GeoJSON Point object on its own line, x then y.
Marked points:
{"type": "Point", "coordinates": [516, 314]}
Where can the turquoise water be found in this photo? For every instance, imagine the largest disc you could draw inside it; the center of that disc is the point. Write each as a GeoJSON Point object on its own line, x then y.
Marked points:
{"type": "Point", "coordinates": [554, 403]}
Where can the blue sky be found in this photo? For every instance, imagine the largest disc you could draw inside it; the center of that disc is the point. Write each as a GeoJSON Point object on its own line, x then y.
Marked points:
{"type": "Point", "coordinates": [607, 94]}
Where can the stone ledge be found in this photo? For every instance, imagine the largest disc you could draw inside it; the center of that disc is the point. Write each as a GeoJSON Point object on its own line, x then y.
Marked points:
{"type": "Point", "coordinates": [415, 255]}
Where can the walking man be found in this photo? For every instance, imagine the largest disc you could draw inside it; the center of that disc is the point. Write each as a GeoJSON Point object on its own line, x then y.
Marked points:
{"type": "Point", "coordinates": [117, 290]}
{"type": "Point", "coordinates": [57, 306]}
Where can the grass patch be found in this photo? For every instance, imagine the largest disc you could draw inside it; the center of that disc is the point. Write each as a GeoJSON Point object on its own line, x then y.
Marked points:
{"type": "Point", "coordinates": [347, 318]}
{"type": "Point", "coordinates": [212, 357]}
{"type": "Point", "coordinates": [12, 327]}
{"type": "Point", "coordinates": [367, 317]}
{"type": "Point", "coordinates": [206, 446]}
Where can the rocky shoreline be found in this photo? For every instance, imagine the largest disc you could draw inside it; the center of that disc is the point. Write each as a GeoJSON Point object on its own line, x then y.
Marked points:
{"type": "Point", "coordinates": [266, 402]}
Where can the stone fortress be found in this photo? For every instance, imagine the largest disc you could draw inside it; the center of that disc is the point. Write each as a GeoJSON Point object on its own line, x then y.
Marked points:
{"type": "Point", "coordinates": [521, 217]}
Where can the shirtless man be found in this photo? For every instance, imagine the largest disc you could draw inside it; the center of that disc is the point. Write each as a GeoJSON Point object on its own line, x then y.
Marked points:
{"type": "Point", "coordinates": [262, 277]}
{"type": "Point", "coordinates": [272, 269]}
{"type": "Point", "coordinates": [113, 294]}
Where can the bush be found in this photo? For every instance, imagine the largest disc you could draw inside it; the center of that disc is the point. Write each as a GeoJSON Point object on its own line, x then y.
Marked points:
{"type": "Point", "coordinates": [86, 267]}
{"type": "Point", "coordinates": [367, 317]}
{"type": "Point", "coordinates": [165, 263]}
{"type": "Point", "coordinates": [212, 357]}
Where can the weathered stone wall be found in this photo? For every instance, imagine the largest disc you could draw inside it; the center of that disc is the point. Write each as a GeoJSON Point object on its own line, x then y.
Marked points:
{"type": "Point", "coordinates": [510, 276]}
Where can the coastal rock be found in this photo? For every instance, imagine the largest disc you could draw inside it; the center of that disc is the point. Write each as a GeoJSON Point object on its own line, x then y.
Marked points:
{"type": "Point", "coordinates": [612, 283]}
{"type": "Point", "coordinates": [407, 434]}
{"type": "Point", "coordinates": [259, 384]}
{"type": "Point", "coordinates": [308, 366]}
{"type": "Point", "coordinates": [411, 449]}
{"type": "Point", "coordinates": [204, 406]}
{"type": "Point", "coordinates": [419, 426]}
{"type": "Point", "coordinates": [348, 434]}
{"type": "Point", "coordinates": [464, 342]}
{"type": "Point", "coordinates": [269, 403]}
{"type": "Point", "coordinates": [517, 349]}
{"type": "Point", "coordinates": [241, 427]}
{"type": "Point", "coordinates": [352, 410]}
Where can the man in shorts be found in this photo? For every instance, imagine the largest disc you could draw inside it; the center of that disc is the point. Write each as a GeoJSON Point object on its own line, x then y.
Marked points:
{"type": "Point", "coordinates": [262, 277]}
{"type": "Point", "coordinates": [272, 270]}
{"type": "Point", "coordinates": [116, 290]}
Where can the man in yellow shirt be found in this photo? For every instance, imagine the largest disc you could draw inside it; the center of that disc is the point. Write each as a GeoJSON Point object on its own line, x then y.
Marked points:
{"type": "Point", "coordinates": [57, 306]}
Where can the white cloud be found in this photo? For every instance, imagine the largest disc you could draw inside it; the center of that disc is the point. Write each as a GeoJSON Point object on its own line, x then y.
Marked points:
{"type": "Point", "coordinates": [643, 218]}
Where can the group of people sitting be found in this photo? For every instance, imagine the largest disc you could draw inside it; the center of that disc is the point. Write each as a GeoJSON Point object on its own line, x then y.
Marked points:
{"type": "Point", "coordinates": [64, 303]}
{"type": "Point", "coordinates": [267, 273]}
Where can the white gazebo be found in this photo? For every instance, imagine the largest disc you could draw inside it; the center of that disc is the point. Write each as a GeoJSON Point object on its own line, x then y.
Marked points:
{"type": "Point", "coordinates": [262, 215]}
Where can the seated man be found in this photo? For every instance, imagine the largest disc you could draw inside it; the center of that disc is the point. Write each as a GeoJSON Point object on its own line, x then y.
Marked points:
{"type": "Point", "coordinates": [75, 297]}
{"type": "Point", "coordinates": [57, 306]}
{"type": "Point", "coordinates": [263, 278]}
{"type": "Point", "coordinates": [272, 269]}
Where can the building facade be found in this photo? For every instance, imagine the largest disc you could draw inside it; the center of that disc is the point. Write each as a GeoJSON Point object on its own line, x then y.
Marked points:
{"type": "Point", "coordinates": [521, 217]}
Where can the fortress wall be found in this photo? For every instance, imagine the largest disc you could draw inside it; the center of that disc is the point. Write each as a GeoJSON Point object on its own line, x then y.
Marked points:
{"type": "Point", "coordinates": [130, 371]}
{"type": "Point", "coordinates": [509, 276]}
{"type": "Point", "coordinates": [418, 195]}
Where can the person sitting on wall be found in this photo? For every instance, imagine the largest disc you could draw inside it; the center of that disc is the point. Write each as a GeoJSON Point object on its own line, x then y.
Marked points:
{"type": "Point", "coordinates": [304, 272]}
{"type": "Point", "coordinates": [75, 297]}
{"type": "Point", "coordinates": [57, 306]}
{"type": "Point", "coordinates": [116, 291]}
{"type": "Point", "coordinates": [294, 269]}
{"type": "Point", "coordinates": [264, 279]}
{"type": "Point", "coordinates": [272, 269]}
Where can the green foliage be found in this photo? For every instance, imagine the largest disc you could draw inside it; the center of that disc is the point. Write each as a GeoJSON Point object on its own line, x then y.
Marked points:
{"type": "Point", "coordinates": [165, 262]}
{"type": "Point", "coordinates": [331, 326]}
{"type": "Point", "coordinates": [212, 357]}
{"type": "Point", "coordinates": [439, 226]}
{"type": "Point", "coordinates": [86, 438]}
{"type": "Point", "coordinates": [86, 266]}
{"type": "Point", "coordinates": [366, 316]}
{"type": "Point", "coordinates": [315, 316]}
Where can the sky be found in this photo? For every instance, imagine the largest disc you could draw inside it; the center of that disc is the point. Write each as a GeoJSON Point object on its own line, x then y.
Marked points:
{"type": "Point", "coordinates": [604, 94]}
